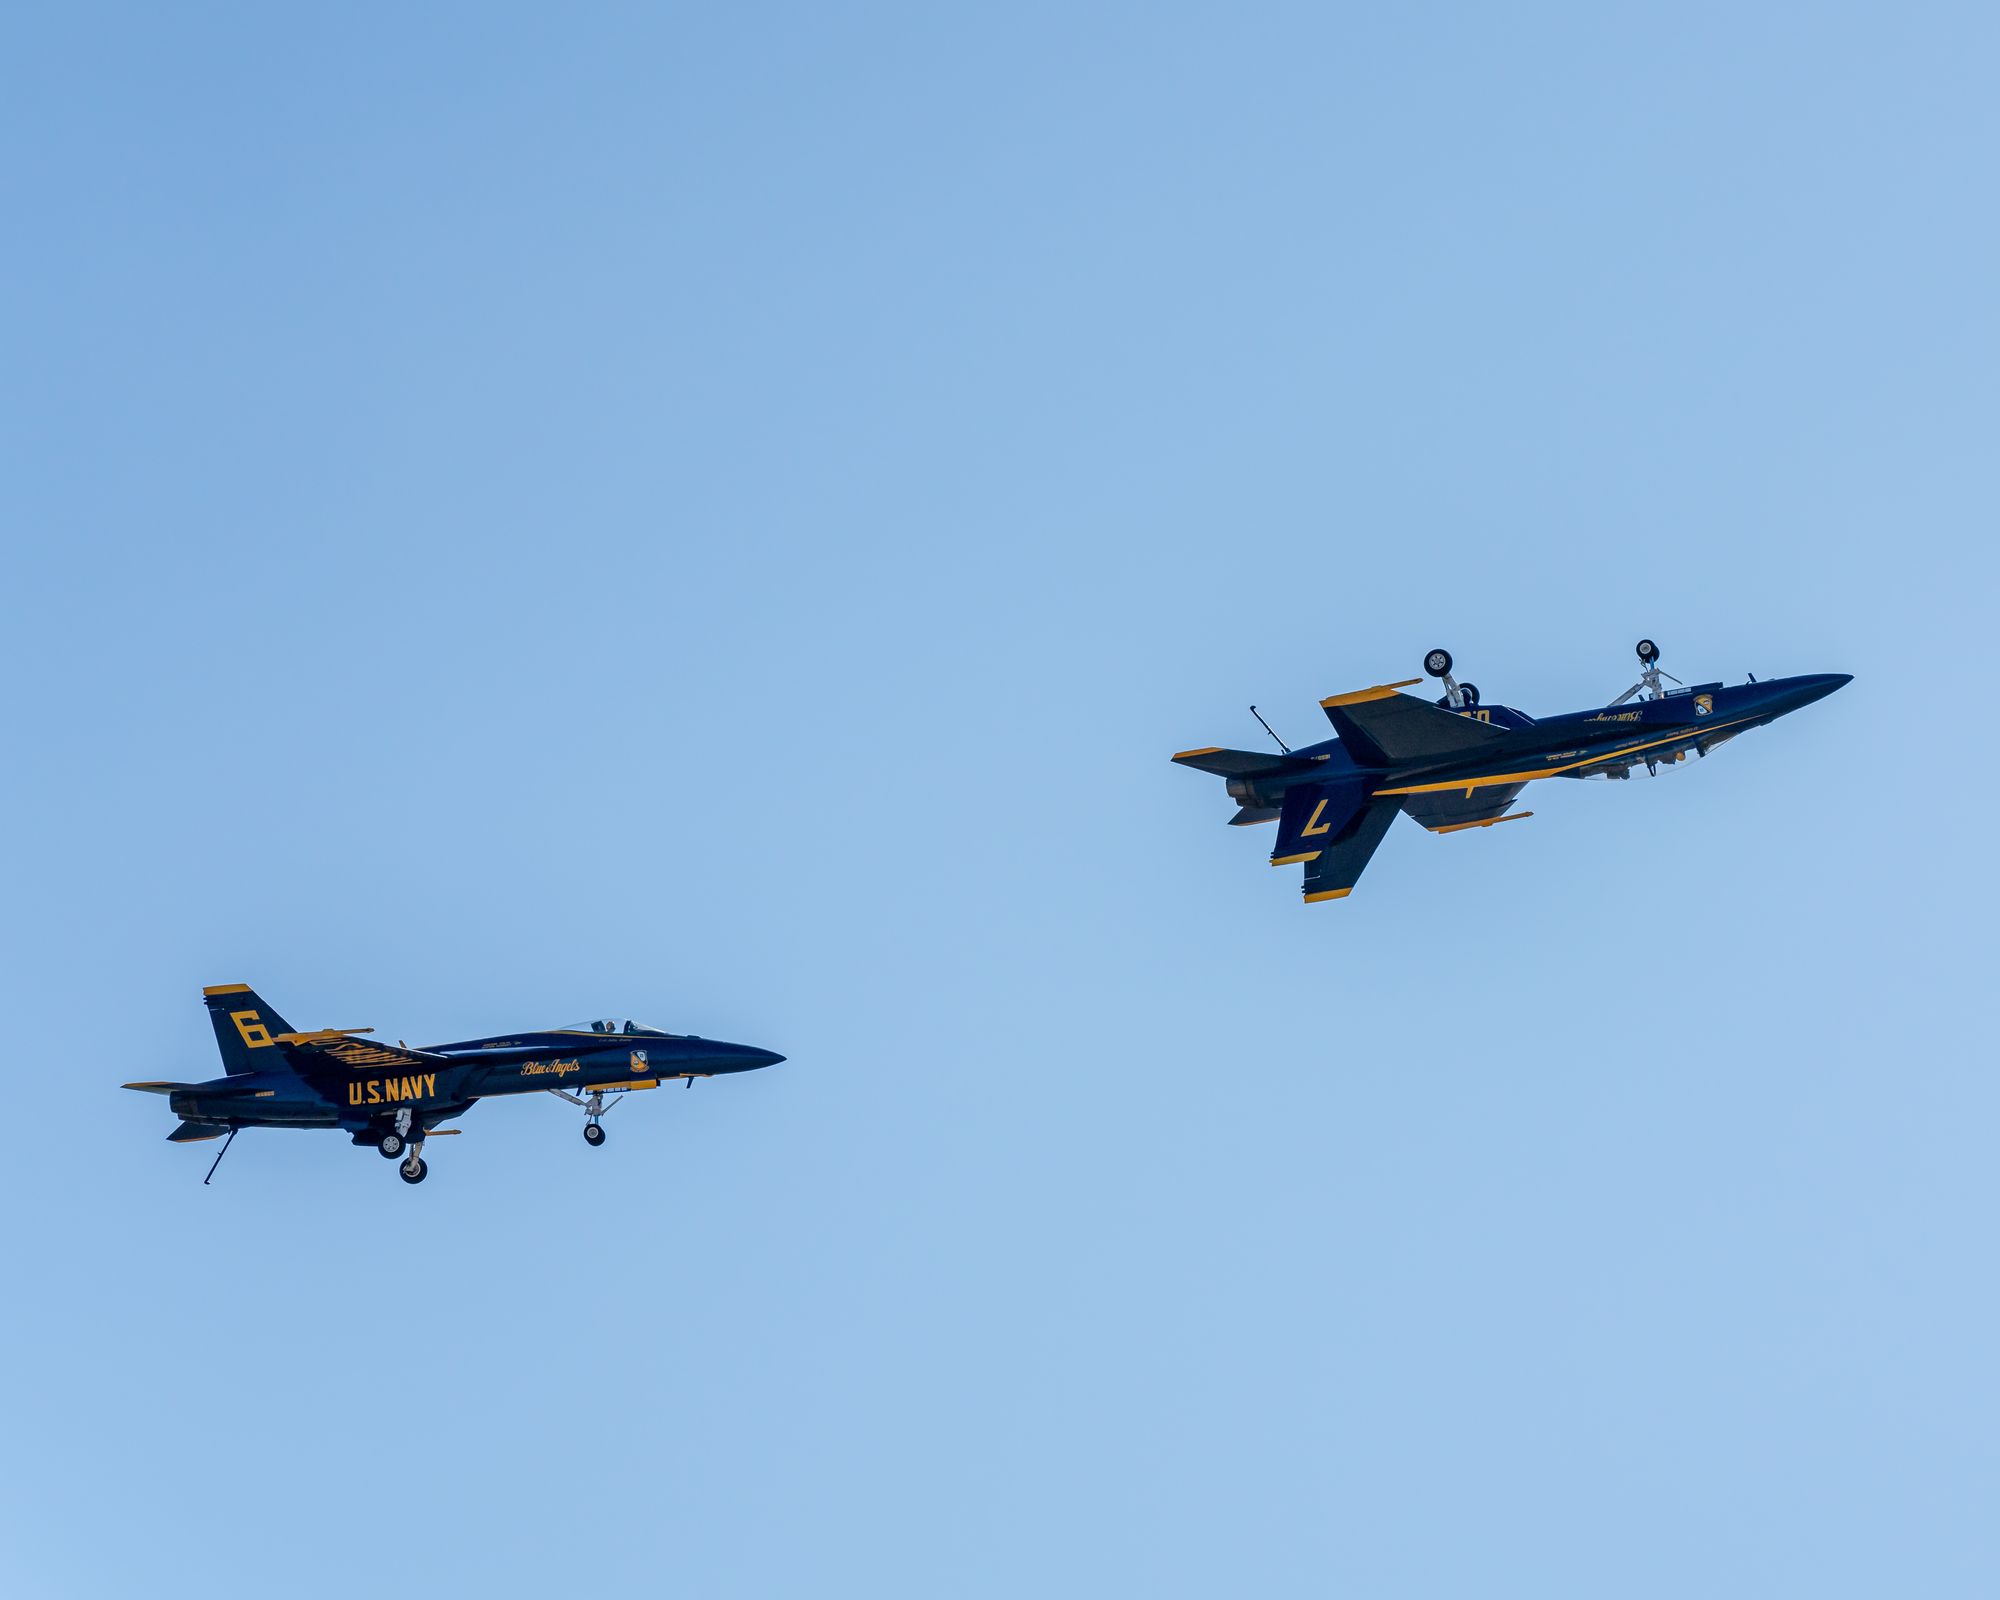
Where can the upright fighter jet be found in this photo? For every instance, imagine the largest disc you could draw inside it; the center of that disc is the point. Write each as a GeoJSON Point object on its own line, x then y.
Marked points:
{"type": "Point", "coordinates": [393, 1097]}
{"type": "Point", "coordinates": [1454, 763]}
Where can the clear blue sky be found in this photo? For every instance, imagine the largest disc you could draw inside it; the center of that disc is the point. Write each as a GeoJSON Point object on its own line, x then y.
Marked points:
{"type": "Point", "coordinates": [723, 516]}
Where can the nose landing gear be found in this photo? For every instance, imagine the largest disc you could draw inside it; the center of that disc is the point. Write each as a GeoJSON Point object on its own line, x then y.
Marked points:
{"type": "Point", "coordinates": [1649, 675]}
{"type": "Point", "coordinates": [593, 1105]}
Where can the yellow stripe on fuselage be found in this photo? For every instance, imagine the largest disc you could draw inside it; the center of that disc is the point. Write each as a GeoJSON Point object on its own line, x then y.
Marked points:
{"type": "Point", "coordinates": [1492, 780]}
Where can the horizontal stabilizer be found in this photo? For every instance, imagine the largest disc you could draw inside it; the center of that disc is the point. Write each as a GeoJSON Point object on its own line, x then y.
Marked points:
{"type": "Point", "coordinates": [1248, 816]}
{"type": "Point", "coordinates": [155, 1088]}
{"type": "Point", "coordinates": [1382, 728]}
{"type": "Point", "coordinates": [1235, 763]}
{"type": "Point", "coordinates": [195, 1132]}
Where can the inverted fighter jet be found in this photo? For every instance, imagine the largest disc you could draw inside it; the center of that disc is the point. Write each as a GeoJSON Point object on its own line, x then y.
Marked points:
{"type": "Point", "coordinates": [1455, 764]}
{"type": "Point", "coordinates": [393, 1097]}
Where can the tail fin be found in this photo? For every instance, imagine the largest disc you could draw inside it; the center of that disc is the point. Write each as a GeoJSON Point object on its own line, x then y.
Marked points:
{"type": "Point", "coordinates": [1332, 828]}
{"type": "Point", "coordinates": [244, 1025]}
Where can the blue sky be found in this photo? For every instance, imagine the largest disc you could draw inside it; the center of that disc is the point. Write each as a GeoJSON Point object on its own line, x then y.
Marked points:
{"type": "Point", "coordinates": [723, 517]}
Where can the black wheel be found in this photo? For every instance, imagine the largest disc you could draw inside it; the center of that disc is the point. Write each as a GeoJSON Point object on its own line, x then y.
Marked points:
{"type": "Point", "coordinates": [1438, 663]}
{"type": "Point", "coordinates": [414, 1170]}
{"type": "Point", "coordinates": [1648, 651]}
{"type": "Point", "coordinates": [391, 1145]}
{"type": "Point", "coordinates": [1470, 692]}
{"type": "Point", "coordinates": [593, 1133]}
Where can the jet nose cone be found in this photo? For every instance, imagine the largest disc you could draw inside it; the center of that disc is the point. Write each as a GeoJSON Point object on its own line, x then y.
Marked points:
{"type": "Point", "coordinates": [1821, 684]}
{"type": "Point", "coordinates": [749, 1057]}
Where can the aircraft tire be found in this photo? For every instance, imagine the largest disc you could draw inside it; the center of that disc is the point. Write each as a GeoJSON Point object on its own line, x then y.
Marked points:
{"type": "Point", "coordinates": [416, 1173]}
{"type": "Point", "coordinates": [1471, 693]}
{"type": "Point", "coordinates": [593, 1133]}
{"type": "Point", "coordinates": [1648, 651]}
{"type": "Point", "coordinates": [1438, 663]}
{"type": "Point", "coordinates": [391, 1145]}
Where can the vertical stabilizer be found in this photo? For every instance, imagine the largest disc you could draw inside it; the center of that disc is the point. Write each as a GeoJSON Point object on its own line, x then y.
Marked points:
{"type": "Point", "coordinates": [245, 1026]}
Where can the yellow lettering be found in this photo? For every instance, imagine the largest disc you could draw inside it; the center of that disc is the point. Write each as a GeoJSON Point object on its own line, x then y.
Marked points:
{"type": "Point", "coordinates": [430, 1084]}
{"type": "Point", "coordinates": [374, 1092]}
{"type": "Point", "coordinates": [354, 1094]}
{"type": "Point", "coordinates": [255, 1034]}
{"type": "Point", "coordinates": [1315, 826]}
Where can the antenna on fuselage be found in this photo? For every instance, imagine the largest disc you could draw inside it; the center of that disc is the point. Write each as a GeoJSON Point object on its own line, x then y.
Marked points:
{"type": "Point", "coordinates": [1280, 743]}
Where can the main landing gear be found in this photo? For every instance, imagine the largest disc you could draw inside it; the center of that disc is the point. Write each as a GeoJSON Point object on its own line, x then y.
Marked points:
{"type": "Point", "coordinates": [404, 1137]}
{"type": "Point", "coordinates": [1457, 696]}
{"type": "Point", "coordinates": [393, 1142]}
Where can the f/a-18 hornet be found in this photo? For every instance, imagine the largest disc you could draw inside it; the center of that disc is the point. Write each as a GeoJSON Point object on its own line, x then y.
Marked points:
{"type": "Point", "coordinates": [1457, 764]}
{"type": "Point", "coordinates": [394, 1097]}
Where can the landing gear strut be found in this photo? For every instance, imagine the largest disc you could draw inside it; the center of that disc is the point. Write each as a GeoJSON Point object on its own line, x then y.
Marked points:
{"type": "Point", "coordinates": [1649, 675]}
{"type": "Point", "coordinates": [1438, 665]}
{"type": "Point", "coordinates": [593, 1112]}
{"type": "Point", "coordinates": [391, 1144]}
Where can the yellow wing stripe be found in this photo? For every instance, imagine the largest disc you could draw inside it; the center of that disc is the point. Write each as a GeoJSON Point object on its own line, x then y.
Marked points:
{"type": "Point", "coordinates": [228, 988]}
{"type": "Point", "coordinates": [1328, 894]}
{"type": "Point", "coordinates": [1460, 827]}
{"type": "Point", "coordinates": [1381, 691]}
{"type": "Point", "coordinates": [1205, 750]}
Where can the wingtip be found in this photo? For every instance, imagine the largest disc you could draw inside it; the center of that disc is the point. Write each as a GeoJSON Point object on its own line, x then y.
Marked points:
{"type": "Point", "coordinates": [1380, 691]}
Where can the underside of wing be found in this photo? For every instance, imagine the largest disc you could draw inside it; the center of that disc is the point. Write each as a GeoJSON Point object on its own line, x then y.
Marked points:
{"type": "Point", "coordinates": [1456, 808]}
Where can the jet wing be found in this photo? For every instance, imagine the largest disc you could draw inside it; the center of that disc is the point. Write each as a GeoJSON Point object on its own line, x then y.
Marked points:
{"type": "Point", "coordinates": [316, 1052]}
{"type": "Point", "coordinates": [1382, 728]}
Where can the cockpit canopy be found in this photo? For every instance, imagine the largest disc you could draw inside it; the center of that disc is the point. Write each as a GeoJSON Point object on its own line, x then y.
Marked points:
{"type": "Point", "coordinates": [613, 1025]}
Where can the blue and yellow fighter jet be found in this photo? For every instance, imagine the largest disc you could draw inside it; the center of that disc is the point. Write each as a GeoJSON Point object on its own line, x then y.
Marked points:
{"type": "Point", "coordinates": [1457, 764]}
{"type": "Point", "coordinates": [394, 1097]}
